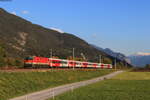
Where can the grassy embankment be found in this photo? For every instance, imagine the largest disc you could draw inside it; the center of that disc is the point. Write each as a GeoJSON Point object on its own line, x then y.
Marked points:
{"type": "Point", "coordinates": [126, 86]}
{"type": "Point", "coordinates": [19, 83]}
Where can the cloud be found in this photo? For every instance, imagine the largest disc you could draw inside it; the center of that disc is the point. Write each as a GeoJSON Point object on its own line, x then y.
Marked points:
{"type": "Point", "coordinates": [14, 13]}
{"type": "Point", "coordinates": [56, 29]}
{"type": "Point", "coordinates": [94, 35]}
{"type": "Point", "coordinates": [25, 12]}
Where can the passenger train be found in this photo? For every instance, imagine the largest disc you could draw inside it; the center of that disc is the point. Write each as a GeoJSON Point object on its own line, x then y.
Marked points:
{"type": "Point", "coordinates": [42, 62]}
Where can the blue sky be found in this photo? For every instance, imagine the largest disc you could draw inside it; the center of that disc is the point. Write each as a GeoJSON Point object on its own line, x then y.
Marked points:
{"type": "Point", "coordinates": [122, 25]}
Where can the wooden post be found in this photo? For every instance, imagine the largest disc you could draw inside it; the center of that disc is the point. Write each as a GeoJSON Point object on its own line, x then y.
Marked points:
{"type": "Point", "coordinates": [53, 95]}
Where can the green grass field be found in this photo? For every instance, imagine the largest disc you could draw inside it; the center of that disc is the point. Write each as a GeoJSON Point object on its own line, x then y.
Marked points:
{"type": "Point", "coordinates": [19, 83]}
{"type": "Point", "coordinates": [125, 86]}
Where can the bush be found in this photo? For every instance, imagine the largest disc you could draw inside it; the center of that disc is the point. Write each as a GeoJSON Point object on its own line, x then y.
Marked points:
{"type": "Point", "coordinates": [2, 57]}
{"type": "Point", "coordinates": [6, 61]}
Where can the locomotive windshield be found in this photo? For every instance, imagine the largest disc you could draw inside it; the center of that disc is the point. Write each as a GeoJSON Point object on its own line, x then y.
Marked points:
{"type": "Point", "coordinates": [29, 58]}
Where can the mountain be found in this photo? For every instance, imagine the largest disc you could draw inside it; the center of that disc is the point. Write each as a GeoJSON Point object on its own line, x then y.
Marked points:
{"type": "Point", "coordinates": [140, 59]}
{"type": "Point", "coordinates": [114, 54]}
{"type": "Point", "coordinates": [119, 57]}
{"type": "Point", "coordinates": [21, 38]}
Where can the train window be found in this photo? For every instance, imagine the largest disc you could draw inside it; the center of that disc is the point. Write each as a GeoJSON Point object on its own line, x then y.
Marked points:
{"type": "Point", "coordinates": [85, 63]}
{"type": "Point", "coordinates": [72, 62]}
{"type": "Point", "coordinates": [90, 64]}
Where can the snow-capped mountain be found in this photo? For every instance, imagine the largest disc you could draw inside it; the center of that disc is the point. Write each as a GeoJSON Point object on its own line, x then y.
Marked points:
{"type": "Point", "coordinates": [141, 54]}
{"type": "Point", "coordinates": [140, 59]}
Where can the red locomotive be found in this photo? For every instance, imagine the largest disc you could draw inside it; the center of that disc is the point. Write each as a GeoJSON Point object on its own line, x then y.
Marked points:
{"type": "Point", "coordinates": [61, 63]}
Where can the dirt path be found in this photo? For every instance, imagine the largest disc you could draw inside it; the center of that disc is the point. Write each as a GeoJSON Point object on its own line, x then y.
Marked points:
{"type": "Point", "coordinates": [50, 93]}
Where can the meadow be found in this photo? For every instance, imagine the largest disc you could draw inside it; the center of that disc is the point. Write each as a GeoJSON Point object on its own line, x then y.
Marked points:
{"type": "Point", "coordinates": [125, 86]}
{"type": "Point", "coordinates": [14, 84]}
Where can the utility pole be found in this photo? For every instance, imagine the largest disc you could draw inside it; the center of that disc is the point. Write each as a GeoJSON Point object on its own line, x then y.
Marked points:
{"type": "Point", "coordinates": [115, 64]}
{"type": "Point", "coordinates": [100, 59]}
{"type": "Point", "coordinates": [125, 64]}
{"type": "Point", "coordinates": [73, 58]}
{"type": "Point", "coordinates": [83, 56]}
{"type": "Point", "coordinates": [51, 55]}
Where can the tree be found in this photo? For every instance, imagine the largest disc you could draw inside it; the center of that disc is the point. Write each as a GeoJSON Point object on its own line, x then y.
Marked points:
{"type": "Point", "coordinates": [2, 57]}
{"type": "Point", "coordinates": [107, 61]}
{"type": "Point", "coordinates": [147, 66]}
